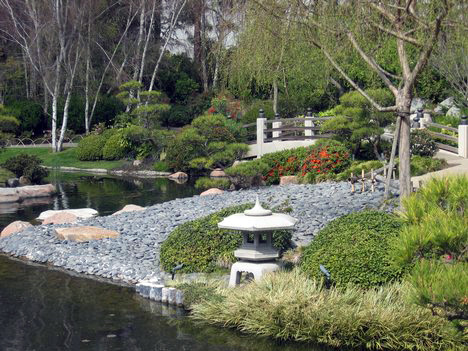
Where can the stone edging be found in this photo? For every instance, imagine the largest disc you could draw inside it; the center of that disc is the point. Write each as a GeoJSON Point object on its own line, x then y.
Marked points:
{"type": "Point", "coordinates": [160, 293]}
{"type": "Point", "coordinates": [140, 174]}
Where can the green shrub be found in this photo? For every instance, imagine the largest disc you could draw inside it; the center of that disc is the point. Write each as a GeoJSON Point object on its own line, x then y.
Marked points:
{"type": "Point", "coordinates": [422, 143]}
{"type": "Point", "coordinates": [199, 244]}
{"type": "Point", "coordinates": [252, 112]}
{"type": "Point", "coordinates": [161, 166]}
{"type": "Point", "coordinates": [114, 149]}
{"type": "Point", "coordinates": [26, 165]}
{"type": "Point", "coordinates": [357, 123]}
{"type": "Point", "coordinates": [186, 146]}
{"type": "Point", "coordinates": [354, 249]}
{"type": "Point", "coordinates": [449, 194]}
{"type": "Point", "coordinates": [247, 174]}
{"type": "Point", "coordinates": [9, 124]}
{"type": "Point", "coordinates": [434, 245]}
{"type": "Point", "coordinates": [421, 165]}
{"type": "Point", "coordinates": [30, 114]}
{"type": "Point", "coordinates": [207, 183]}
{"type": "Point", "coordinates": [217, 128]}
{"type": "Point", "coordinates": [90, 148]}
{"type": "Point", "coordinates": [443, 286]}
{"type": "Point", "coordinates": [289, 306]}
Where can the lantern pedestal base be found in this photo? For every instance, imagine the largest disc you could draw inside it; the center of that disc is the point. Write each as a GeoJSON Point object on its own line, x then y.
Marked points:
{"type": "Point", "coordinates": [256, 268]}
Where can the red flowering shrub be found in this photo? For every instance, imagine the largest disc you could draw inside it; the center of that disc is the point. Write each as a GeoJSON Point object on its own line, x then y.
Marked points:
{"type": "Point", "coordinates": [326, 156]}
{"type": "Point", "coordinates": [326, 159]}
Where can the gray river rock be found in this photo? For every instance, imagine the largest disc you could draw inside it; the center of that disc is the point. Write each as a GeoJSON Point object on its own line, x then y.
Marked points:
{"type": "Point", "coordinates": [135, 254]}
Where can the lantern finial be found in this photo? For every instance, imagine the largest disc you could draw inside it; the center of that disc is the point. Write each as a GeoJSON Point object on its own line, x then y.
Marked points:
{"type": "Point", "coordinates": [257, 210]}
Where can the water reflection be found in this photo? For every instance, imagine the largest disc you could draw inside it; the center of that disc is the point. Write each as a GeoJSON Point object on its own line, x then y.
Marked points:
{"type": "Point", "coordinates": [103, 193]}
{"type": "Point", "coordinates": [44, 310]}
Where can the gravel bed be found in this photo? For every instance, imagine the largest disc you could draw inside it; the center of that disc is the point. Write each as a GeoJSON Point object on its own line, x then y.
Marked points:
{"type": "Point", "coordinates": [134, 255]}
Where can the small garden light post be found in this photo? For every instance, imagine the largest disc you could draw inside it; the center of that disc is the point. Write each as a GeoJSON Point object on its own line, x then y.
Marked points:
{"type": "Point", "coordinates": [419, 116]}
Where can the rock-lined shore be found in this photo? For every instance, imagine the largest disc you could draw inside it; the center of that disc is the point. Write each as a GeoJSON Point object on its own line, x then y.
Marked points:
{"type": "Point", "coordinates": [133, 256]}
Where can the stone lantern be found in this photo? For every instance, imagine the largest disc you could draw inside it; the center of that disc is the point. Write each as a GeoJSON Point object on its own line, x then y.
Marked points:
{"type": "Point", "coordinates": [257, 257]}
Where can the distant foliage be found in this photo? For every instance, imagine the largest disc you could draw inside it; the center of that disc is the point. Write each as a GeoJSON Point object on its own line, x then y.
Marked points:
{"type": "Point", "coordinates": [211, 141]}
{"type": "Point", "coordinates": [356, 122]}
{"type": "Point", "coordinates": [252, 111]}
{"type": "Point", "coordinates": [200, 244]}
{"type": "Point", "coordinates": [28, 166]}
{"type": "Point", "coordinates": [354, 249]}
{"type": "Point", "coordinates": [422, 143]}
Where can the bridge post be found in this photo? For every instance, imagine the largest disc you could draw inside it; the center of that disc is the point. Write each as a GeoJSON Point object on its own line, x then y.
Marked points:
{"type": "Point", "coordinates": [463, 137]}
{"type": "Point", "coordinates": [309, 123]}
{"type": "Point", "coordinates": [277, 124]}
{"type": "Point", "coordinates": [261, 121]}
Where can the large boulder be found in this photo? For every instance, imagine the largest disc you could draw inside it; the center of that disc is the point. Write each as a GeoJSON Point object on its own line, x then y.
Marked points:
{"type": "Point", "coordinates": [218, 172]}
{"type": "Point", "coordinates": [212, 191]}
{"type": "Point", "coordinates": [85, 233]}
{"type": "Point", "coordinates": [454, 111]}
{"type": "Point", "coordinates": [285, 180]}
{"type": "Point", "coordinates": [129, 208]}
{"type": "Point", "coordinates": [15, 227]}
{"type": "Point", "coordinates": [178, 175]}
{"type": "Point", "coordinates": [81, 213]}
{"type": "Point", "coordinates": [61, 218]}
{"type": "Point", "coordinates": [25, 192]}
{"type": "Point", "coordinates": [445, 105]}
{"type": "Point", "coordinates": [9, 195]}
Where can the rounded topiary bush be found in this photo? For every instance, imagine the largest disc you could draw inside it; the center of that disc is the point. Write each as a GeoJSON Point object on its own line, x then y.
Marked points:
{"type": "Point", "coordinates": [200, 245]}
{"type": "Point", "coordinates": [354, 249]}
{"type": "Point", "coordinates": [114, 149]}
{"type": "Point", "coordinates": [90, 148]}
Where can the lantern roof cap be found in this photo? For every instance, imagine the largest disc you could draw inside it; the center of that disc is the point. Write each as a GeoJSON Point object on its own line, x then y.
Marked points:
{"type": "Point", "coordinates": [258, 219]}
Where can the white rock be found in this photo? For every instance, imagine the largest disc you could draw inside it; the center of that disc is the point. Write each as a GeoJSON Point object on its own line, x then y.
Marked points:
{"type": "Point", "coordinates": [129, 208]}
{"type": "Point", "coordinates": [454, 112]}
{"type": "Point", "coordinates": [15, 227]}
{"type": "Point", "coordinates": [81, 213]}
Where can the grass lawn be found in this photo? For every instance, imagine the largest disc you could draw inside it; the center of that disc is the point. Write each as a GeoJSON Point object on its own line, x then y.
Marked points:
{"type": "Point", "coordinates": [66, 158]}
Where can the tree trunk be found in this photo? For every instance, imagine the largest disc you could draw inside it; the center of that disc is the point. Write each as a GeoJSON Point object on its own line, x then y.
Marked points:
{"type": "Point", "coordinates": [275, 97]}
{"type": "Point", "coordinates": [54, 122]}
{"type": "Point", "coordinates": [403, 103]}
{"type": "Point", "coordinates": [88, 68]}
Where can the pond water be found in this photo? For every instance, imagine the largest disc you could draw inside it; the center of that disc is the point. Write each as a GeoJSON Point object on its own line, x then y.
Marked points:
{"type": "Point", "coordinates": [47, 310]}
{"type": "Point", "coordinates": [103, 193]}
{"type": "Point", "coordinates": [42, 309]}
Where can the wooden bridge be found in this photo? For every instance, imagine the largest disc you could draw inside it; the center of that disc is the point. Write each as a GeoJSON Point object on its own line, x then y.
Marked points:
{"type": "Point", "coordinates": [265, 136]}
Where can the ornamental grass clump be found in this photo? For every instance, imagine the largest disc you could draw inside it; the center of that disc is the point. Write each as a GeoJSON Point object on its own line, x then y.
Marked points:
{"type": "Point", "coordinates": [290, 306]}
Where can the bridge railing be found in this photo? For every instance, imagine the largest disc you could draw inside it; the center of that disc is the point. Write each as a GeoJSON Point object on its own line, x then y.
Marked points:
{"type": "Point", "coordinates": [284, 132]}
{"type": "Point", "coordinates": [41, 142]}
{"type": "Point", "coordinates": [452, 139]}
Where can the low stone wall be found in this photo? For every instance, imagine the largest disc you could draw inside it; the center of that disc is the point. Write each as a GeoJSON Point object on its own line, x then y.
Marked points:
{"type": "Point", "coordinates": [18, 194]}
